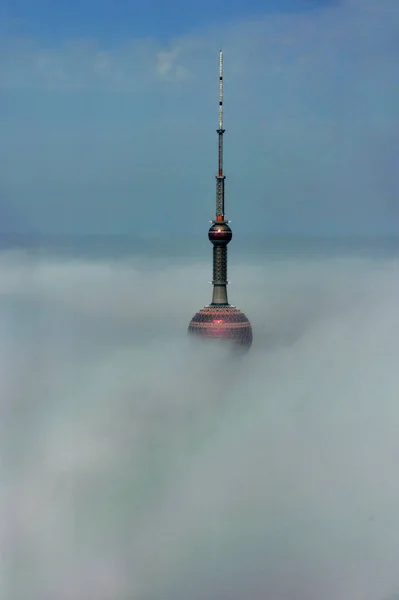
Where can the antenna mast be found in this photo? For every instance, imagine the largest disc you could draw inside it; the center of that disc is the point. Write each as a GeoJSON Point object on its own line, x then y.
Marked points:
{"type": "Point", "coordinates": [220, 176]}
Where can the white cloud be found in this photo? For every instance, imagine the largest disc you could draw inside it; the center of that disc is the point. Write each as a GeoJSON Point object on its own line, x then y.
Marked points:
{"type": "Point", "coordinates": [349, 35]}
{"type": "Point", "coordinates": [167, 67]}
{"type": "Point", "coordinates": [134, 465]}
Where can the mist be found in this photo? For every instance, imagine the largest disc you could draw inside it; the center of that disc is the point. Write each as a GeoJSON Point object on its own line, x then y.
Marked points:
{"type": "Point", "coordinates": [139, 464]}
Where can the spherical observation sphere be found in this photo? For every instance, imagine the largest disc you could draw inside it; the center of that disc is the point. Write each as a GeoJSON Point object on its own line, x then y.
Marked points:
{"type": "Point", "coordinates": [224, 322]}
{"type": "Point", "coordinates": [220, 234]}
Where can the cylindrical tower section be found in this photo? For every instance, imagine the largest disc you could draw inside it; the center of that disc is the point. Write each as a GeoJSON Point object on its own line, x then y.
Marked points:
{"type": "Point", "coordinates": [219, 265]}
{"type": "Point", "coordinates": [219, 282]}
{"type": "Point", "coordinates": [220, 235]}
{"type": "Point", "coordinates": [220, 197]}
{"type": "Point", "coordinates": [220, 152]}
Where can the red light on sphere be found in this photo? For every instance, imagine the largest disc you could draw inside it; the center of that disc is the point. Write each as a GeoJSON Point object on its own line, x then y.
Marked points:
{"type": "Point", "coordinates": [223, 322]}
{"type": "Point", "coordinates": [220, 234]}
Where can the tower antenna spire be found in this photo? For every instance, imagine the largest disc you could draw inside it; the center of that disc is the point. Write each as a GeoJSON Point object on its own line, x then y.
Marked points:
{"type": "Point", "coordinates": [220, 89]}
{"type": "Point", "coordinates": [220, 177]}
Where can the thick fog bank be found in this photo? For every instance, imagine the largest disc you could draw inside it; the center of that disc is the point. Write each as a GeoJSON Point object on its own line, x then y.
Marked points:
{"type": "Point", "coordinates": [138, 465]}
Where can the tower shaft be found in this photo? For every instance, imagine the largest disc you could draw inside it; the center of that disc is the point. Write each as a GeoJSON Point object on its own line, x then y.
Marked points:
{"type": "Point", "coordinates": [219, 282]}
{"type": "Point", "coordinates": [220, 195]}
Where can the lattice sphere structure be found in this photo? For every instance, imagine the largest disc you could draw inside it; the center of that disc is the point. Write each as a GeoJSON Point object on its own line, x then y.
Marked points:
{"type": "Point", "coordinates": [224, 323]}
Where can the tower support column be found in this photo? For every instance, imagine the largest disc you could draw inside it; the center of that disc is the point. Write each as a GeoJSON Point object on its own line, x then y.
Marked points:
{"type": "Point", "coordinates": [220, 197]}
{"type": "Point", "coordinates": [219, 282]}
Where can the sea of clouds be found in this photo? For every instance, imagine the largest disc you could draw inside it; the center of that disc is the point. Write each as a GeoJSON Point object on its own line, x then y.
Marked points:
{"type": "Point", "coordinates": [137, 464]}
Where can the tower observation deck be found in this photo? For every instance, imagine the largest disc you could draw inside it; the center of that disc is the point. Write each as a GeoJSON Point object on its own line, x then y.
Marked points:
{"type": "Point", "coordinates": [220, 319]}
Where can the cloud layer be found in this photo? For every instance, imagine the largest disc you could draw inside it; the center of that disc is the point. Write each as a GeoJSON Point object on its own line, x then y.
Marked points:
{"type": "Point", "coordinates": [138, 465]}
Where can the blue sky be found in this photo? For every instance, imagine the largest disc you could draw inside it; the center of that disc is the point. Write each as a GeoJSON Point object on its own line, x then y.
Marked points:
{"type": "Point", "coordinates": [109, 19]}
{"type": "Point", "coordinates": [108, 113]}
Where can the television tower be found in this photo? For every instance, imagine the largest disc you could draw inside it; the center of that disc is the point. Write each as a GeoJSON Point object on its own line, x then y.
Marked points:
{"type": "Point", "coordinates": [220, 319]}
